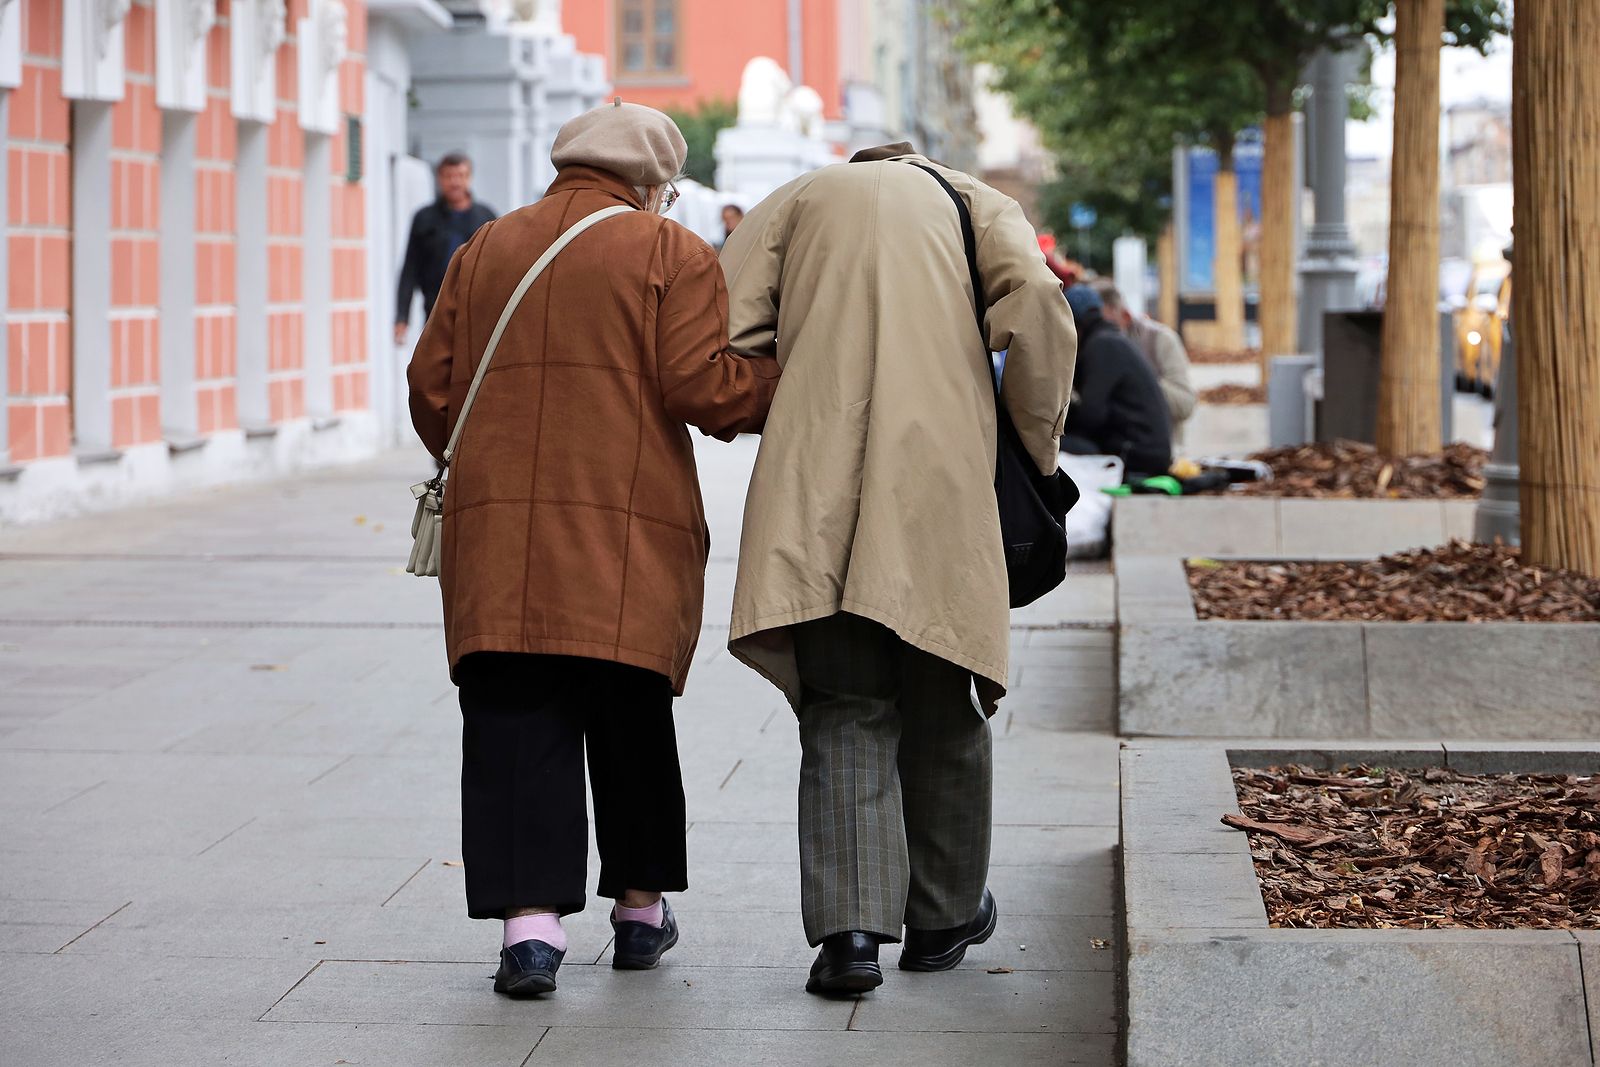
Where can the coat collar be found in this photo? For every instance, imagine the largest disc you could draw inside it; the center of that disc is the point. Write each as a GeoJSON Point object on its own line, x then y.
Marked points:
{"type": "Point", "coordinates": [884, 151]}
{"type": "Point", "coordinates": [581, 177]}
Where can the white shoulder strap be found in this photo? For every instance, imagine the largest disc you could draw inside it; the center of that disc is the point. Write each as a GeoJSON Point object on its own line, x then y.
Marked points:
{"type": "Point", "coordinates": [511, 306]}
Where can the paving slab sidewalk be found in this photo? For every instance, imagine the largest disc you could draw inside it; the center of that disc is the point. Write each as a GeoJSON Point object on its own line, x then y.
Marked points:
{"type": "Point", "coordinates": [229, 831]}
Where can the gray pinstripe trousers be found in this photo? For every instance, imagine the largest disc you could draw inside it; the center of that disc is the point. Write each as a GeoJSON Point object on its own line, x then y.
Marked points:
{"type": "Point", "coordinates": [896, 784]}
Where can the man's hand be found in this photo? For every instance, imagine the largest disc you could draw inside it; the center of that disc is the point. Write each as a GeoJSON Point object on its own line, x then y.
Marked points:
{"type": "Point", "coordinates": [400, 331]}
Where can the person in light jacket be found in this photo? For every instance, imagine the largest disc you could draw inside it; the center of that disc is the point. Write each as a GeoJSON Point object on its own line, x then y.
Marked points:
{"type": "Point", "coordinates": [575, 542]}
{"type": "Point", "coordinates": [1161, 347]}
{"type": "Point", "coordinates": [872, 584]}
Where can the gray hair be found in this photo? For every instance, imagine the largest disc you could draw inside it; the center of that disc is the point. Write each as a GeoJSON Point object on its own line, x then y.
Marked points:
{"type": "Point", "coordinates": [1109, 296]}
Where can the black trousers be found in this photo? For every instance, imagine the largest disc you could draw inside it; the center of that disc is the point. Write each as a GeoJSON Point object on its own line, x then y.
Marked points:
{"type": "Point", "coordinates": [524, 829]}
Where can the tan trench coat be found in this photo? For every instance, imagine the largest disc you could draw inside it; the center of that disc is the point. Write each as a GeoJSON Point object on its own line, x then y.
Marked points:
{"type": "Point", "coordinates": [873, 491]}
{"type": "Point", "coordinates": [573, 523]}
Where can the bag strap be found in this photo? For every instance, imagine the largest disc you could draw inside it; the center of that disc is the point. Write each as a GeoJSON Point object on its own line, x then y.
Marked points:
{"type": "Point", "coordinates": [970, 241]}
{"type": "Point", "coordinates": [511, 306]}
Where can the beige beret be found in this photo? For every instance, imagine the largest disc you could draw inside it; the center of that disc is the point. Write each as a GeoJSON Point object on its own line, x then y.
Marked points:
{"type": "Point", "coordinates": [639, 144]}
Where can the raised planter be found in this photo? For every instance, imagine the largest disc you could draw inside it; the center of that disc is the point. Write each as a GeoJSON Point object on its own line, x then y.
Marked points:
{"type": "Point", "coordinates": [1295, 528]}
{"type": "Point", "coordinates": [1225, 430]}
{"type": "Point", "coordinates": [1180, 676]}
{"type": "Point", "coordinates": [1209, 982]}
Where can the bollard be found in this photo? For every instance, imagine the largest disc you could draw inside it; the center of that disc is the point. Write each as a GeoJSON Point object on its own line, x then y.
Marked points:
{"type": "Point", "coordinates": [1286, 400]}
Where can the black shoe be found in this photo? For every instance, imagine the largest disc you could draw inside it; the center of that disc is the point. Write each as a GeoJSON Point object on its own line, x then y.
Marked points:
{"type": "Point", "coordinates": [847, 963]}
{"type": "Point", "coordinates": [940, 950]}
{"type": "Point", "coordinates": [640, 945]}
{"type": "Point", "coordinates": [527, 969]}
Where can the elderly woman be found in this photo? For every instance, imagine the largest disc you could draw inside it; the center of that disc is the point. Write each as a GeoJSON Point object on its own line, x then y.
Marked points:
{"type": "Point", "coordinates": [574, 541]}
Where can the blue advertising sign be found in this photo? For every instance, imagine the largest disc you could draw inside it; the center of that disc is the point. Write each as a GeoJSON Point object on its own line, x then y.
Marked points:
{"type": "Point", "coordinates": [1200, 233]}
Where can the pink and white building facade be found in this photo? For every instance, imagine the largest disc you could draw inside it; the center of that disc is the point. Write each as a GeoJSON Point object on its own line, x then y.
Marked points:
{"type": "Point", "coordinates": [192, 193]}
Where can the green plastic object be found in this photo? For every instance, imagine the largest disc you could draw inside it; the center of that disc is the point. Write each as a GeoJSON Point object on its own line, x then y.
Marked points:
{"type": "Point", "coordinates": [1117, 490]}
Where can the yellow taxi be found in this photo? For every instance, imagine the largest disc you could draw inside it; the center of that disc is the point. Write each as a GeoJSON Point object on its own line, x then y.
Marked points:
{"type": "Point", "coordinates": [1480, 326]}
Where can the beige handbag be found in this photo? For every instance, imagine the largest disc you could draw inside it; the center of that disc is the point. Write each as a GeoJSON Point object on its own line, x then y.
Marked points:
{"type": "Point", "coordinates": [427, 527]}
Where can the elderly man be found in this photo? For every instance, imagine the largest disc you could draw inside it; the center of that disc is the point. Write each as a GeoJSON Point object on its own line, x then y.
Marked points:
{"type": "Point", "coordinates": [1161, 347]}
{"type": "Point", "coordinates": [872, 582]}
{"type": "Point", "coordinates": [575, 543]}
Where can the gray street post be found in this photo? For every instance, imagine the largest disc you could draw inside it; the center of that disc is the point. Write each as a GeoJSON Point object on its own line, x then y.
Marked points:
{"type": "Point", "coordinates": [1328, 265]}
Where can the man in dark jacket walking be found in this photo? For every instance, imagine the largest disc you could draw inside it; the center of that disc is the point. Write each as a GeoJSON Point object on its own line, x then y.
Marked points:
{"type": "Point", "coordinates": [1117, 406]}
{"type": "Point", "coordinates": [436, 232]}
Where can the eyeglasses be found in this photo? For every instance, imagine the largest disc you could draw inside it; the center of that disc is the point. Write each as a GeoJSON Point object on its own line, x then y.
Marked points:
{"type": "Point", "coordinates": [669, 196]}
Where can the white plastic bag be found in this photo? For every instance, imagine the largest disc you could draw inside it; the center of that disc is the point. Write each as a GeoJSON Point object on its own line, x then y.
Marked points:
{"type": "Point", "coordinates": [1089, 521]}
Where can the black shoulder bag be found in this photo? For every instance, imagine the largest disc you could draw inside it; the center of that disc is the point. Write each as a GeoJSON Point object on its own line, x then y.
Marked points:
{"type": "Point", "coordinates": [1033, 506]}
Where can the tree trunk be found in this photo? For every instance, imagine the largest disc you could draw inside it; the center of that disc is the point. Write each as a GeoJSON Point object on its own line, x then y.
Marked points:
{"type": "Point", "coordinates": [1555, 297]}
{"type": "Point", "coordinates": [1278, 193]}
{"type": "Point", "coordinates": [1408, 383]}
{"type": "Point", "coordinates": [1227, 270]}
{"type": "Point", "coordinates": [1167, 268]}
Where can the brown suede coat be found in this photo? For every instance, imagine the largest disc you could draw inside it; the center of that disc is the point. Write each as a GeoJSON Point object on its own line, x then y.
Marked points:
{"type": "Point", "coordinates": [573, 523]}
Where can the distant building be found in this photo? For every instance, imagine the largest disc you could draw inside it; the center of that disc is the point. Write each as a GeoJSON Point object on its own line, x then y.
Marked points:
{"type": "Point", "coordinates": [1011, 154]}
{"type": "Point", "coordinates": [886, 69]}
{"type": "Point", "coordinates": [187, 272]}
{"type": "Point", "coordinates": [1367, 203]}
{"type": "Point", "coordinates": [1477, 143]}
{"type": "Point", "coordinates": [681, 53]}
{"type": "Point", "coordinates": [499, 87]}
{"type": "Point", "coordinates": [903, 77]}
{"type": "Point", "coordinates": [1474, 180]}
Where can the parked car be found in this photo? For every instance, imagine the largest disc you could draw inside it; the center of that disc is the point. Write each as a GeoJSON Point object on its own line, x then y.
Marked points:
{"type": "Point", "coordinates": [1480, 320]}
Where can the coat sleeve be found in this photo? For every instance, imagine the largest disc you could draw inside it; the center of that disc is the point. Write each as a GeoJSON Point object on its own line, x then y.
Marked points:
{"type": "Point", "coordinates": [433, 360]}
{"type": "Point", "coordinates": [1172, 368]}
{"type": "Point", "coordinates": [1029, 320]}
{"type": "Point", "coordinates": [704, 382]}
{"type": "Point", "coordinates": [752, 259]}
{"type": "Point", "coordinates": [407, 286]}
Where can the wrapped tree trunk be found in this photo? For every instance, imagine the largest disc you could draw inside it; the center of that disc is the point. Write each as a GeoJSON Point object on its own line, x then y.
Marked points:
{"type": "Point", "coordinates": [1555, 296]}
{"type": "Point", "coordinates": [1167, 267]}
{"type": "Point", "coordinates": [1408, 383]}
{"type": "Point", "coordinates": [1278, 192]}
{"type": "Point", "coordinates": [1227, 268]}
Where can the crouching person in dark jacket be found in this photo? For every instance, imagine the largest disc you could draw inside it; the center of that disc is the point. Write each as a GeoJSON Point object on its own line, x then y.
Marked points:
{"type": "Point", "coordinates": [1117, 406]}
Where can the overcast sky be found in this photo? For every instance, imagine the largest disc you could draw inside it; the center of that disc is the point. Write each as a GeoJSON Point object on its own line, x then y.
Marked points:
{"type": "Point", "coordinates": [1464, 75]}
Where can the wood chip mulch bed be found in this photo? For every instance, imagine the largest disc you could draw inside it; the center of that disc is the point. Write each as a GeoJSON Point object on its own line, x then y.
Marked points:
{"type": "Point", "coordinates": [1460, 582]}
{"type": "Point", "coordinates": [1377, 847]}
{"type": "Point", "coordinates": [1233, 393]}
{"type": "Point", "coordinates": [1350, 469]}
{"type": "Point", "coordinates": [1225, 355]}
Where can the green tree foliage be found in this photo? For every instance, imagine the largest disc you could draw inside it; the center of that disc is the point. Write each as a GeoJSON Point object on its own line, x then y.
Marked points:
{"type": "Point", "coordinates": [1112, 86]}
{"type": "Point", "coordinates": [700, 128]}
{"type": "Point", "coordinates": [1131, 201]}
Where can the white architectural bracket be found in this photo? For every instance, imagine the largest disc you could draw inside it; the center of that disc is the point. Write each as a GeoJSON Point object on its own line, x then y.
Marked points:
{"type": "Point", "coordinates": [324, 39]}
{"type": "Point", "coordinates": [181, 30]}
{"type": "Point", "coordinates": [10, 43]}
{"type": "Point", "coordinates": [256, 29]}
{"type": "Point", "coordinates": [92, 56]}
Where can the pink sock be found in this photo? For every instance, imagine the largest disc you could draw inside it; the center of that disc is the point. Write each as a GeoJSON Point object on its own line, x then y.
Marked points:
{"type": "Point", "coordinates": [652, 916]}
{"type": "Point", "coordinates": [541, 926]}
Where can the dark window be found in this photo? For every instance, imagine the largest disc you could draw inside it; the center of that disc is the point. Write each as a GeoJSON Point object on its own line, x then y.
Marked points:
{"type": "Point", "coordinates": [647, 37]}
